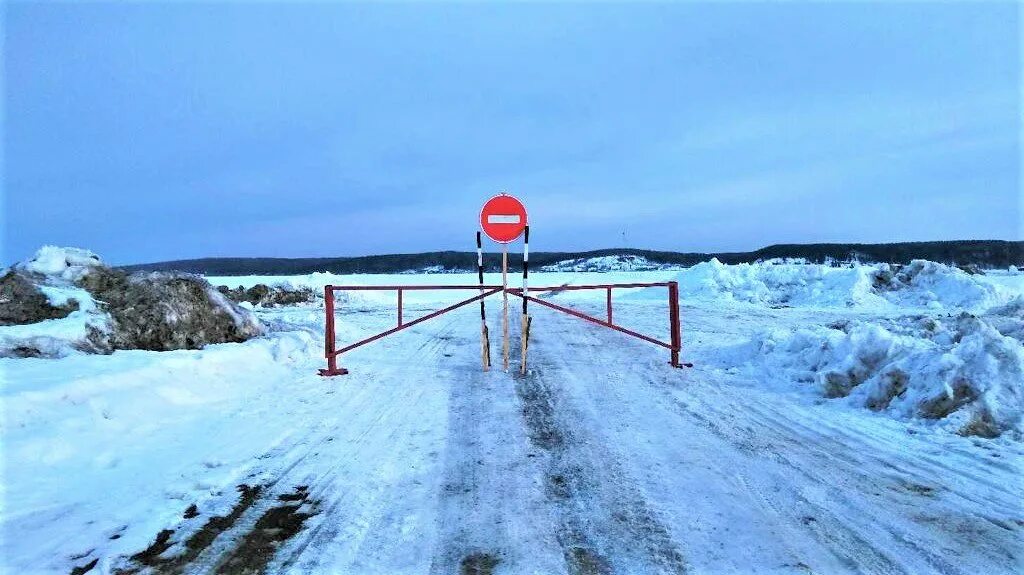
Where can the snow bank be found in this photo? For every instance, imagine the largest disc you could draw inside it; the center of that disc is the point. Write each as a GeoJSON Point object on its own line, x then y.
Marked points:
{"type": "Point", "coordinates": [777, 283]}
{"type": "Point", "coordinates": [960, 370]}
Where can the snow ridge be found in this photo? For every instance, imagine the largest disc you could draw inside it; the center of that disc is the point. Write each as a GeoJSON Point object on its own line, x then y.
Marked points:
{"type": "Point", "coordinates": [778, 283]}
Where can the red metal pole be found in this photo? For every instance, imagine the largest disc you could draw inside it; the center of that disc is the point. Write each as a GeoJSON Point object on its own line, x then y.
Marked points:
{"type": "Point", "coordinates": [609, 305]}
{"type": "Point", "coordinates": [329, 329]}
{"type": "Point", "coordinates": [399, 307]}
{"type": "Point", "coordinates": [329, 336]}
{"type": "Point", "coordinates": [673, 310]}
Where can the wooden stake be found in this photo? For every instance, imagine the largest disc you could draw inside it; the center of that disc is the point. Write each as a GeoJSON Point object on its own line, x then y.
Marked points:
{"type": "Point", "coordinates": [485, 351]}
{"type": "Point", "coordinates": [504, 296]}
{"type": "Point", "coordinates": [525, 323]}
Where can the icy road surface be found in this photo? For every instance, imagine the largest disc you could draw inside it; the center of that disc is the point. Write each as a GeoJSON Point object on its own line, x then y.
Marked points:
{"type": "Point", "coordinates": [603, 459]}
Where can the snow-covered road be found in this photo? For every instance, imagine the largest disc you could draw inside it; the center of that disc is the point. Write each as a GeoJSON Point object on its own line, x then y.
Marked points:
{"type": "Point", "coordinates": [603, 459]}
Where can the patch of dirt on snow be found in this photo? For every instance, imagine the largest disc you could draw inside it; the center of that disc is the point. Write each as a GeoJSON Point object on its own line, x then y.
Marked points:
{"type": "Point", "coordinates": [150, 556]}
{"type": "Point", "coordinates": [83, 569]}
{"type": "Point", "coordinates": [277, 524]}
{"type": "Point", "coordinates": [216, 525]}
{"type": "Point", "coordinates": [583, 561]}
{"type": "Point", "coordinates": [478, 564]}
{"type": "Point", "coordinates": [152, 559]}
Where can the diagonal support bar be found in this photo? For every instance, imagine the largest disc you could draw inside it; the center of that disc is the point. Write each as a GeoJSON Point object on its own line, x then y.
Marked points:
{"type": "Point", "coordinates": [409, 324]}
{"type": "Point", "coordinates": [592, 319]}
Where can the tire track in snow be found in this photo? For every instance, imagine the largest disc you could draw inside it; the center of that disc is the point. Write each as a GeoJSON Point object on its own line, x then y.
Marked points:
{"type": "Point", "coordinates": [492, 514]}
{"type": "Point", "coordinates": [605, 524]}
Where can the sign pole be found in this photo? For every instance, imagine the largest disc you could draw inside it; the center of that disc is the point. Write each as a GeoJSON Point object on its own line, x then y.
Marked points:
{"type": "Point", "coordinates": [485, 342]}
{"type": "Point", "coordinates": [503, 219]}
{"type": "Point", "coordinates": [524, 329]}
{"type": "Point", "coordinates": [504, 296]}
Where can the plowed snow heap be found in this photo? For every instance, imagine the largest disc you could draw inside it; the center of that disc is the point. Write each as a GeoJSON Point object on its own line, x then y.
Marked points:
{"type": "Point", "coordinates": [66, 299]}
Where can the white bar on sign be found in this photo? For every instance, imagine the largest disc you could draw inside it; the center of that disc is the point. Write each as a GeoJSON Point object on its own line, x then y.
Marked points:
{"type": "Point", "coordinates": [503, 219]}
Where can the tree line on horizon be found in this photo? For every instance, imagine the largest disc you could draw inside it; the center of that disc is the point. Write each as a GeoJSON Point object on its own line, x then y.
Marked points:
{"type": "Point", "coordinates": [975, 253]}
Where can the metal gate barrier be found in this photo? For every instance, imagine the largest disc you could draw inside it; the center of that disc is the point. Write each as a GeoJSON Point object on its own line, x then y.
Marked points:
{"type": "Point", "coordinates": [331, 352]}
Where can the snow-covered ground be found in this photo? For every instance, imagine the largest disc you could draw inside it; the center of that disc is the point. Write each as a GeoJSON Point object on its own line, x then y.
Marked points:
{"type": "Point", "coordinates": [603, 459]}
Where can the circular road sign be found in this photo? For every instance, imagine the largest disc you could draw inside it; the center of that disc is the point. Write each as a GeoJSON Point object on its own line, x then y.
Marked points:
{"type": "Point", "coordinates": [503, 218]}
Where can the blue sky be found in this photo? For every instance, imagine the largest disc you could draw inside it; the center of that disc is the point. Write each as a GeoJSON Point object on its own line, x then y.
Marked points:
{"type": "Point", "coordinates": [178, 130]}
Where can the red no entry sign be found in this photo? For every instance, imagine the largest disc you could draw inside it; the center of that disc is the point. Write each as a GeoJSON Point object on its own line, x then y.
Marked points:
{"type": "Point", "coordinates": [503, 218]}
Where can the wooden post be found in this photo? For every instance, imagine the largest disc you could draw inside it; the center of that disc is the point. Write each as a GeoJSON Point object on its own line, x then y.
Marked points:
{"type": "Point", "coordinates": [609, 305]}
{"type": "Point", "coordinates": [673, 314]}
{"type": "Point", "coordinates": [504, 296]}
{"type": "Point", "coordinates": [399, 307]}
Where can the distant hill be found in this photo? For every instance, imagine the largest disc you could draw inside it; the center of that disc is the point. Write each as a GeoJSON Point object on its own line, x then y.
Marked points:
{"type": "Point", "coordinates": [982, 253]}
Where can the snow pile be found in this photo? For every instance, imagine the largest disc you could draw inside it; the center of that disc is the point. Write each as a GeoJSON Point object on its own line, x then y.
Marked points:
{"type": "Point", "coordinates": [618, 263]}
{"type": "Point", "coordinates": [68, 264]}
{"type": "Point", "coordinates": [960, 370]}
{"type": "Point", "coordinates": [924, 283]}
{"type": "Point", "coordinates": [778, 283]}
{"type": "Point", "coordinates": [65, 300]}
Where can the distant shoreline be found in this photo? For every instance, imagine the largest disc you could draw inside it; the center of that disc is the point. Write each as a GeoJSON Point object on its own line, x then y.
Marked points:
{"type": "Point", "coordinates": [981, 253]}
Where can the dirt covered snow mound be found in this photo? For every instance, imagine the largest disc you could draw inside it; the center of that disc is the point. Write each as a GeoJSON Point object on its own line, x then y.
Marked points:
{"type": "Point", "coordinates": [22, 301]}
{"type": "Point", "coordinates": [923, 283]}
{"type": "Point", "coordinates": [780, 283]}
{"type": "Point", "coordinates": [269, 296]}
{"type": "Point", "coordinates": [65, 300]}
{"type": "Point", "coordinates": [961, 371]}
